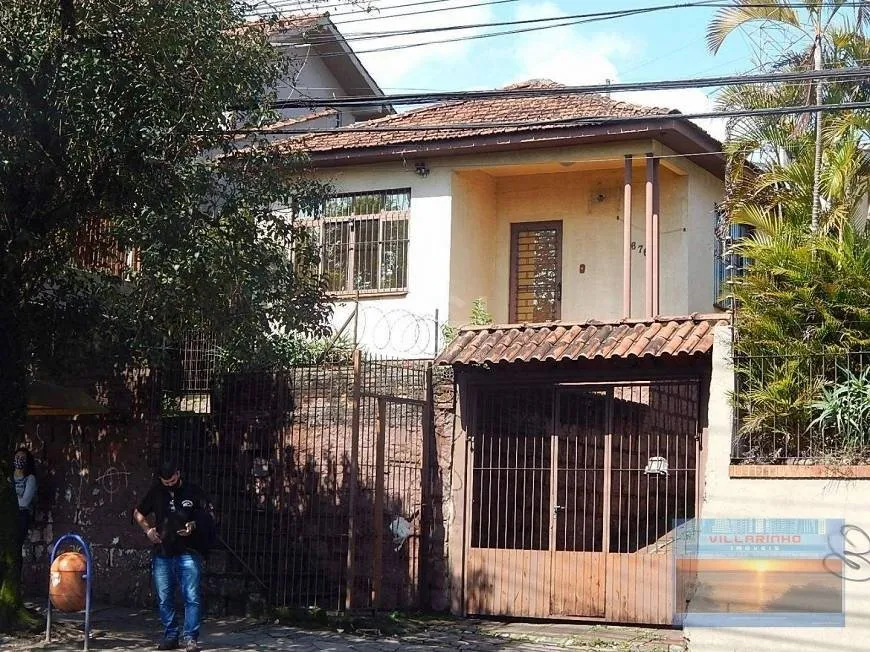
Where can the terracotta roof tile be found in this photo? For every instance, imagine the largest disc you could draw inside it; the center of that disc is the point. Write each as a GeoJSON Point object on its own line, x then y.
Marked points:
{"type": "Point", "coordinates": [476, 111]}
{"type": "Point", "coordinates": [661, 337]}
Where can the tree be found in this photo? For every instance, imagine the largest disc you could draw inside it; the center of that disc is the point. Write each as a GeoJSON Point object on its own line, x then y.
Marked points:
{"type": "Point", "coordinates": [814, 31]}
{"type": "Point", "coordinates": [114, 117]}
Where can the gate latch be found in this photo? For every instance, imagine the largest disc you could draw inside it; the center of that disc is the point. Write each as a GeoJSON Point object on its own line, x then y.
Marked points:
{"type": "Point", "coordinates": [559, 508]}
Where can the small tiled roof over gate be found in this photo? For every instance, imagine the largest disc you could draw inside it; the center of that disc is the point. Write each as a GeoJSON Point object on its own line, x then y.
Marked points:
{"type": "Point", "coordinates": [556, 342]}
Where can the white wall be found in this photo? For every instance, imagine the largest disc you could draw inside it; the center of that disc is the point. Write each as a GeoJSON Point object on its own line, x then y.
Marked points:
{"type": "Point", "coordinates": [725, 497]}
{"type": "Point", "coordinates": [404, 325]}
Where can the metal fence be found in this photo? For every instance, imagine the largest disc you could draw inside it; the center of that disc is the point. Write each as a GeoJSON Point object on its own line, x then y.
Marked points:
{"type": "Point", "coordinates": [318, 475]}
{"type": "Point", "coordinates": [812, 408]}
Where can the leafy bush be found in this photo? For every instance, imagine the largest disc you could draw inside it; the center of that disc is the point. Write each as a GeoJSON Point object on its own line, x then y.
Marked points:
{"type": "Point", "coordinates": [845, 409]}
{"type": "Point", "coordinates": [480, 316]}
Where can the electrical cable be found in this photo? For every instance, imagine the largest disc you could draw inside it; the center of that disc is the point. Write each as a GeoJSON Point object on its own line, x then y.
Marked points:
{"type": "Point", "coordinates": [836, 74]}
{"type": "Point", "coordinates": [362, 127]}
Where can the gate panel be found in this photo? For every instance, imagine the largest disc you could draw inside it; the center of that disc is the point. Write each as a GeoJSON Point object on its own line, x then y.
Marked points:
{"type": "Point", "coordinates": [580, 503]}
{"type": "Point", "coordinates": [654, 462]}
{"type": "Point", "coordinates": [575, 494]}
{"type": "Point", "coordinates": [508, 570]}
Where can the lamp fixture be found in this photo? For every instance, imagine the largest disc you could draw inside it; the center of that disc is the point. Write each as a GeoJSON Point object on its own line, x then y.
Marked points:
{"type": "Point", "coordinates": [421, 169]}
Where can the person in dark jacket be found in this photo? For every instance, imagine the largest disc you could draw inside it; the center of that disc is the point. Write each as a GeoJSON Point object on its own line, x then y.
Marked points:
{"type": "Point", "coordinates": [179, 529]}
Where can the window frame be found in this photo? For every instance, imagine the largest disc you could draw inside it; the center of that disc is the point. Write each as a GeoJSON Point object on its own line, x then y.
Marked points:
{"type": "Point", "coordinates": [351, 270]}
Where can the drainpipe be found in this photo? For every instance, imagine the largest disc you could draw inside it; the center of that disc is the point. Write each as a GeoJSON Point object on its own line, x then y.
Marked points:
{"type": "Point", "coordinates": [626, 241]}
{"type": "Point", "coordinates": [648, 241]}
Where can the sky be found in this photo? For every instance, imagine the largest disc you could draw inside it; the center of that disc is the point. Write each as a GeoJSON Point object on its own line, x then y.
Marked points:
{"type": "Point", "coordinates": [669, 44]}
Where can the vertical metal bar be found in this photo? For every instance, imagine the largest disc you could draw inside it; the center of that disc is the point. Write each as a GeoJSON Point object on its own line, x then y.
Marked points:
{"type": "Point", "coordinates": [626, 240]}
{"type": "Point", "coordinates": [378, 522]}
{"type": "Point", "coordinates": [608, 470]}
{"type": "Point", "coordinates": [426, 516]}
{"type": "Point", "coordinates": [648, 242]}
{"type": "Point", "coordinates": [354, 475]}
{"type": "Point", "coordinates": [656, 238]}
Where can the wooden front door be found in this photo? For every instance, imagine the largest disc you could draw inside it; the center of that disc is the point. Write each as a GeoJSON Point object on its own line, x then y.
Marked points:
{"type": "Point", "coordinates": [536, 272]}
{"type": "Point", "coordinates": [575, 493]}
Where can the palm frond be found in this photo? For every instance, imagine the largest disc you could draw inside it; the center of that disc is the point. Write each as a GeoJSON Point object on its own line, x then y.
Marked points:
{"type": "Point", "coordinates": [729, 19]}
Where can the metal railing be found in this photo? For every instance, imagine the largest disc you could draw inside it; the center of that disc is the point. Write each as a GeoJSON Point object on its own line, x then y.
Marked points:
{"type": "Point", "coordinates": [809, 408]}
{"type": "Point", "coordinates": [318, 475]}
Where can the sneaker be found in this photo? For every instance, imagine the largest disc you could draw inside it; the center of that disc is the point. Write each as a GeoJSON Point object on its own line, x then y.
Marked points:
{"type": "Point", "coordinates": [168, 644]}
{"type": "Point", "coordinates": [191, 646]}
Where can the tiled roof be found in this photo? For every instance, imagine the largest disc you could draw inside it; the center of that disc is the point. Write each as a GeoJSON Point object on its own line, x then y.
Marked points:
{"type": "Point", "coordinates": [298, 120]}
{"type": "Point", "coordinates": [478, 111]}
{"type": "Point", "coordinates": [292, 23]}
{"type": "Point", "coordinates": [556, 342]}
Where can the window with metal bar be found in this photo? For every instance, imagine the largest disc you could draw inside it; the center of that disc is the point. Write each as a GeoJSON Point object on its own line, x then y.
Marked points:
{"type": "Point", "coordinates": [727, 265]}
{"type": "Point", "coordinates": [364, 242]}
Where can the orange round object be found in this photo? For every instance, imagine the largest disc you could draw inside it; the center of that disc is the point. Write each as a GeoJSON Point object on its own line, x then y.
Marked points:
{"type": "Point", "coordinates": [66, 585]}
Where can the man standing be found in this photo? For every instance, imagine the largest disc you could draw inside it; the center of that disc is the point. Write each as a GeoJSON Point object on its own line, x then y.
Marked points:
{"type": "Point", "coordinates": [180, 534]}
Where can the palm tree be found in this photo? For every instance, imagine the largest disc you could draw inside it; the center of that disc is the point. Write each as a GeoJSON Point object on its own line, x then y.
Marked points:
{"type": "Point", "coordinates": [814, 30]}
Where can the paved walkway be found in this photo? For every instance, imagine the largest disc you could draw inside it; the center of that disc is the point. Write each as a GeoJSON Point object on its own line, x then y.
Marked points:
{"type": "Point", "coordinates": [119, 629]}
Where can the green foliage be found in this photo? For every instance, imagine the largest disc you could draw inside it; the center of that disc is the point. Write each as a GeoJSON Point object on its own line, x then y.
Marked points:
{"type": "Point", "coordinates": [480, 316]}
{"type": "Point", "coordinates": [120, 111]}
{"type": "Point", "coordinates": [286, 351]}
{"type": "Point", "coordinates": [805, 298]}
{"type": "Point", "coordinates": [845, 409]}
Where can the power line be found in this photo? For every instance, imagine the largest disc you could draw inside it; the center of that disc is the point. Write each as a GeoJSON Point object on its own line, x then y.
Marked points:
{"type": "Point", "coordinates": [369, 13]}
{"type": "Point", "coordinates": [570, 23]}
{"type": "Point", "coordinates": [551, 22]}
{"type": "Point", "coordinates": [841, 74]}
{"type": "Point", "coordinates": [563, 122]}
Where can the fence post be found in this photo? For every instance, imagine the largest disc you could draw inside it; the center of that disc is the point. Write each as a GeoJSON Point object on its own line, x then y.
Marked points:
{"type": "Point", "coordinates": [426, 490]}
{"type": "Point", "coordinates": [378, 522]}
{"type": "Point", "coordinates": [354, 478]}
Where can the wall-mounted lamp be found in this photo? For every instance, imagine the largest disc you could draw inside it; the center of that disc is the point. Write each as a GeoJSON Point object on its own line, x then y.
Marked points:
{"type": "Point", "coordinates": [421, 169]}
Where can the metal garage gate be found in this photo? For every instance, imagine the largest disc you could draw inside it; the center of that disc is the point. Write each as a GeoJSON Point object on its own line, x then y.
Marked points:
{"type": "Point", "coordinates": [575, 492]}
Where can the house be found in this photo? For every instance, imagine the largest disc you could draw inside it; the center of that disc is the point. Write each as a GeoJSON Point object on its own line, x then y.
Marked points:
{"type": "Point", "coordinates": [322, 66]}
{"type": "Point", "coordinates": [551, 222]}
{"type": "Point", "coordinates": [575, 422]}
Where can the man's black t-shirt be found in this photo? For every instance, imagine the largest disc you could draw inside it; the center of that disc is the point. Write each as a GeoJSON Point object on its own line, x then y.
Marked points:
{"type": "Point", "coordinates": [173, 507]}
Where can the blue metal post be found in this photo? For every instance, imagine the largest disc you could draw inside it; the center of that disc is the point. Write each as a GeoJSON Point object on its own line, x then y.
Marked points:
{"type": "Point", "coordinates": [89, 576]}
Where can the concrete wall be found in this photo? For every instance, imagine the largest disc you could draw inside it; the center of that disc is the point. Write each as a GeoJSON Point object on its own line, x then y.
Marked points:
{"type": "Point", "coordinates": [728, 497]}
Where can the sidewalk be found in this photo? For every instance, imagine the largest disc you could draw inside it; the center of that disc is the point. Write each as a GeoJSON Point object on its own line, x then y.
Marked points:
{"type": "Point", "coordinates": [124, 629]}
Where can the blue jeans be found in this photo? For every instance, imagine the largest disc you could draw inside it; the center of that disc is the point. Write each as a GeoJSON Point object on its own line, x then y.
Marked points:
{"type": "Point", "coordinates": [185, 570]}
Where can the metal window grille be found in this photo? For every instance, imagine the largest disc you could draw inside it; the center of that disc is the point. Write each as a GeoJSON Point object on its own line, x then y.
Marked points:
{"type": "Point", "coordinates": [727, 265]}
{"type": "Point", "coordinates": [364, 241]}
{"type": "Point", "coordinates": [96, 249]}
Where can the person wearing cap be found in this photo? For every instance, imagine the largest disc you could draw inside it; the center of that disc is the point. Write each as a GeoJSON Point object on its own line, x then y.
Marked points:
{"type": "Point", "coordinates": [179, 533]}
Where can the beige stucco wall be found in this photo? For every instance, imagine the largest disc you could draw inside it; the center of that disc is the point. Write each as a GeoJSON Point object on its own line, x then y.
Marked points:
{"type": "Point", "coordinates": [472, 246]}
{"type": "Point", "coordinates": [777, 498]}
{"type": "Point", "coordinates": [704, 191]}
{"type": "Point", "coordinates": [589, 204]}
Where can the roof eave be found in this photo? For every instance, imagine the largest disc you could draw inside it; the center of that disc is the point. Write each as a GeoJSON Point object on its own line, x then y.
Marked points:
{"type": "Point", "coordinates": [679, 134]}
